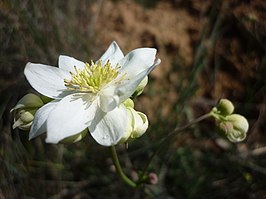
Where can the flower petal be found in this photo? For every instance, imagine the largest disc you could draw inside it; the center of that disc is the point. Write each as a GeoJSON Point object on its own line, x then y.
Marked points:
{"type": "Point", "coordinates": [137, 61]}
{"type": "Point", "coordinates": [108, 128]}
{"type": "Point", "coordinates": [68, 63]}
{"type": "Point", "coordinates": [108, 100]}
{"type": "Point", "coordinates": [108, 103]}
{"type": "Point", "coordinates": [113, 54]}
{"type": "Point", "coordinates": [71, 116]}
{"type": "Point", "coordinates": [39, 123]}
{"type": "Point", "coordinates": [127, 86]}
{"type": "Point", "coordinates": [47, 80]}
{"type": "Point", "coordinates": [129, 127]}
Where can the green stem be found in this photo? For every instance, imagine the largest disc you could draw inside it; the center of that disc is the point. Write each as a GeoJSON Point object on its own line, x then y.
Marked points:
{"type": "Point", "coordinates": [143, 175]}
{"type": "Point", "coordinates": [178, 129]}
{"type": "Point", "coordinates": [169, 136]}
{"type": "Point", "coordinates": [119, 169]}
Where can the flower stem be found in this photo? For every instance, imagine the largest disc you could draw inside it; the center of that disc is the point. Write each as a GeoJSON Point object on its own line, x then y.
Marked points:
{"type": "Point", "coordinates": [178, 129]}
{"type": "Point", "coordinates": [119, 169]}
{"type": "Point", "coordinates": [169, 136]}
{"type": "Point", "coordinates": [141, 180]}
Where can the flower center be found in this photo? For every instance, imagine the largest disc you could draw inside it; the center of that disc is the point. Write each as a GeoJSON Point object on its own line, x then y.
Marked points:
{"type": "Point", "coordinates": [92, 78]}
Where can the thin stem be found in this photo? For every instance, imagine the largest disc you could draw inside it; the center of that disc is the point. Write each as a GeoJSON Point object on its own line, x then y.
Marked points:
{"type": "Point", "coordinates": [173, 133]}
{"type": "Point", "coordinates": [119, 169]}
{"type": "Point", "coordinates": [178, 129]}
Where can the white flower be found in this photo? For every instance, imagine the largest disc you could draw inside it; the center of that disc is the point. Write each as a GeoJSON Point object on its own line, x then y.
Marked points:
{"type": "Point", "coordinates": [88, 95]}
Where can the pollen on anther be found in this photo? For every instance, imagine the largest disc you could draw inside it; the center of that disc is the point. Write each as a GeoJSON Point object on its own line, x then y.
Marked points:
{"type": "Point", "coordinates": [92, 77]}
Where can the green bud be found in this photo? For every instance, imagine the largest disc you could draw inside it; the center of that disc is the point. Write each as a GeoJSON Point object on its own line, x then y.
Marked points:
{"type": "Point", "coordinates": [25, 110]}
{"type": "Point", "coordinates": [140, 124]}
{"type": "Point", "coordinates": [27, 116]}
{"type": "Point", "coordinates": [225, 107]}
{"type": "Point", "coordinates": [45, 99]}
{"type": "Point", "coordinates": [137, 125]}
{"type": "Point", "coordinates": [29, 101]}
{"type": "Point", "coordinates": [129, 103]}
{"type": "Point", "coordinates": [141, 87]}
{"type": "Point", "coordinates": [235, 127]}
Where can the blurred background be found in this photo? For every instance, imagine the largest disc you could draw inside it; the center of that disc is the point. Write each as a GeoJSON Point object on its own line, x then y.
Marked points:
{"type": "Point", "coordinates": [210, 49]}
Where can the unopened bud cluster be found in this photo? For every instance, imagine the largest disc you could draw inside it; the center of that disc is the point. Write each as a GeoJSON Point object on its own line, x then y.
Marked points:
{"type": "Point", "coordinates": [137, 122]}
{"type": "Point", "coordinates": [25, 110]}
{"type": "Point", "coordinates": [233, 126]}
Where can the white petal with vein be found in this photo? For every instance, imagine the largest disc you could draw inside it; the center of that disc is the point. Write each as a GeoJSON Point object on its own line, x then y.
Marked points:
{"type": "Point", "coordinates": [113, 54]}
{"type": "Point", "coordinates": [71, 116]}
{"type": "Point", "coordinates": [47, 80]}
{"type": "Point", "coordinates": [68, 63]}
{"type": "Point", "coordinates": [39, 123]}
{"type": "Point", "coordinates": [108, 128]}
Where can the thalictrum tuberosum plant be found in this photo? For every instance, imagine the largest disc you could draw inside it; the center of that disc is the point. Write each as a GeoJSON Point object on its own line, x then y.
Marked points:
{"type": "Point", "coordinates": [78, 98]}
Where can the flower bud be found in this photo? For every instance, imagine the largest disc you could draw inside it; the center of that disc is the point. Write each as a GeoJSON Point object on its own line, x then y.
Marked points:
{"type": "Point", "coordinates": [153, 178]}
{"type": "Point", "coordinates": [140, 124]}
{"type": "Point", "coordinates": [225, 107]}
{"type": "Point", "coordinates": [23, 119]}
{"type": "Point", "coordinates": [129, 103]}
{"type": "Point", "coordinates": [234, 127]}
{"type": "Point", "coordinates": [29, 101]}
{"type": "Point", "coordinates": [25, 110]}
{"type": "Point", "coordinates": [45, 99]}
{"type": "Point", "coordinates": [140, 87]}
{"type": "Point", "coordinates": [137, 125]}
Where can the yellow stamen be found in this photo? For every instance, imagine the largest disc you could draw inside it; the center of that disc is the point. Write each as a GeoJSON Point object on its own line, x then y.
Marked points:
{"type": "Point", "coordinates": [92, 78]}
